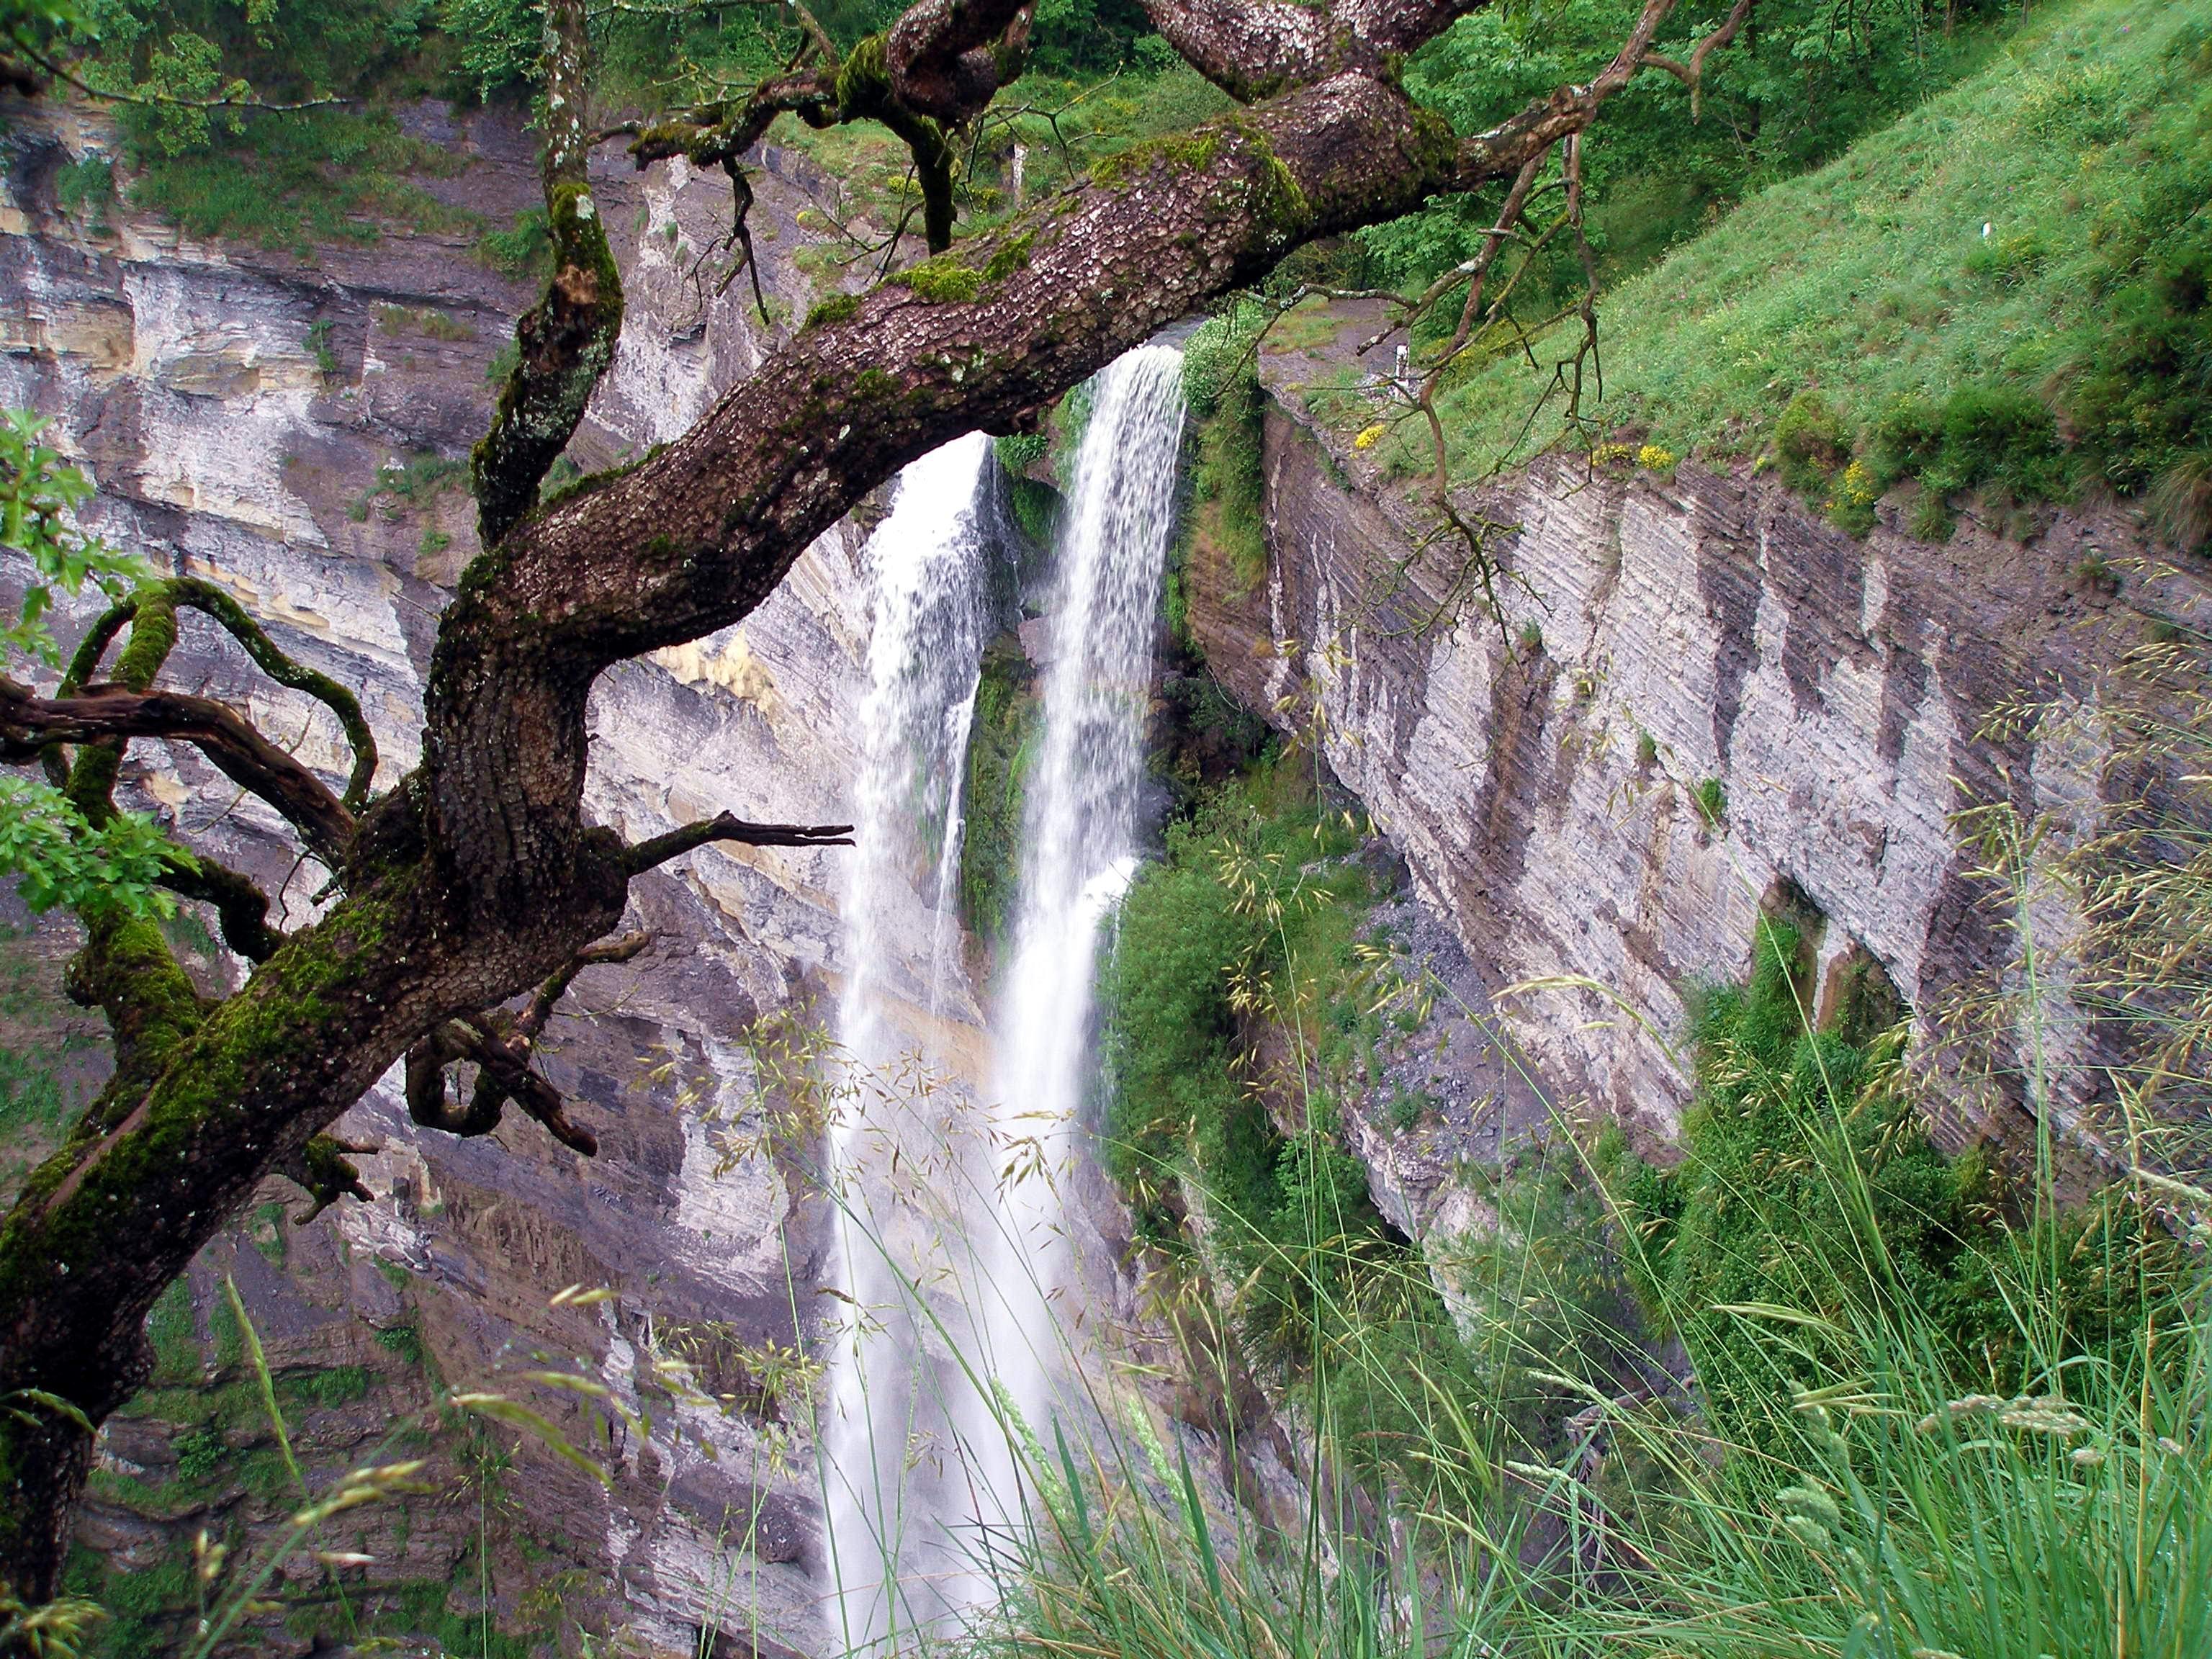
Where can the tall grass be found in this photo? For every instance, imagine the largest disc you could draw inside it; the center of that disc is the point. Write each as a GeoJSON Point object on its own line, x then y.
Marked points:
{"type": "Point", "coordinates": [1877, 1508]}
{"type": "Point", "coordinates": [2012, 1463]}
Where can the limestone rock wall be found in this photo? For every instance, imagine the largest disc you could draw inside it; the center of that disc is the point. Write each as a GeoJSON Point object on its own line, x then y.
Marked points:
{"type": "Point", "coordinates": [297, 429]}
{"type": "Point", "coordinates": [1666, 637]}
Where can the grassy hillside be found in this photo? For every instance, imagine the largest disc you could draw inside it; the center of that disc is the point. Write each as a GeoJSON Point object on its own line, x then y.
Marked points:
{"type": "Point", "coordinates": [2005, 291]}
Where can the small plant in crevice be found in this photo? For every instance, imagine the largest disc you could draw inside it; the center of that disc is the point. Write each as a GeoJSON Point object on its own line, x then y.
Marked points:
{"type": "Point", "coordinates": [2096, 574]}
{"type": "Point", "coordinates": [1851, 503]}
{"type": "Point", "coordinates": [85, 188]}
{"type": "Point", "coordinates": [1017, 451]}
{"type": "Point", "coordinates": [397, 321]}
{"type": "Point", "coordinates": [1931, 520]}
{"type": "Point", "coordinates": [267, 1231]}
{"type": "Point", "coordinates": [320, 348]}
{"type": "Point", "coordinates": [406, 1340]}
{"type": "Point", "coordinates": [523, 253]}
{"type": "Point", "coordinates": [503, 364]}
{"type": "Point", "coordinates": [201, 1455]}
{"type": "Point", "coordinates": [1709, 800]}
{"type": "Point", "coordinates": [411, 484]}
{"type": "Point", "coordinates": [1408, 1107]}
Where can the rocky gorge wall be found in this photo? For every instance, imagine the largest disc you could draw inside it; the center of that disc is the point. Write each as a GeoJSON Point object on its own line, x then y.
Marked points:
{"type": "Point", "coordinates": [297, 430]}
{"type": "Point", "coordinates": [1702, 703]}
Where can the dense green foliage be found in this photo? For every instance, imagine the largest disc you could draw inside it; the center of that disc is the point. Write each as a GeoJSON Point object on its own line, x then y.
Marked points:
{"type": "Point", "coordinates": [1221, 388]}
{"type": "Point", "coordinates": [213, 139]}
{"type": "Point", "coordinates": [57, 856]}
{"type": "Point", "coordinates": [1754, 1214]}
{"type": "Point", "coordinates": [1986, 1424]}
{"type": "Point", "coordinates": [1808, 1182]}
{"type": "Point", "coordinates": [300, 181]}
{"type": "Point", "coordinates": [1243, 1005]}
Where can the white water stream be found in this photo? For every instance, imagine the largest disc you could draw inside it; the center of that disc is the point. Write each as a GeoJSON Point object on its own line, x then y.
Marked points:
{"type": "Point", "coordinates": [954, 1250]}
{"type": "Point", "coordinates": [926, 562]}
{"type": "Point", "coordinates": [1079, 849]}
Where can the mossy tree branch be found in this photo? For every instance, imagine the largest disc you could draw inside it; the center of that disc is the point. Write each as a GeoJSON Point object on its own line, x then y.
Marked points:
{"type": "Point", "coordinates": [930, 75]}
{"type": "Point", "coordinates": [103, 714]}
{"type": "Point", "coordinates": [501, 1044]}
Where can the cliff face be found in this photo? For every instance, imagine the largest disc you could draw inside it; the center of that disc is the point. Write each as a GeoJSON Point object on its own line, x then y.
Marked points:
{"type": "Point", "coordinates": [1668, 639]}
{"type": "Point", "coordinates": [299, 432]}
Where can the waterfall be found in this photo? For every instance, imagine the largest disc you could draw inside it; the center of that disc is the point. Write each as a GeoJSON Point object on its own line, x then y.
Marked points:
{"type": "Point", "coordinates": [926, 562]}
{"type": "Point", "coordinates": [1079, 850]}
{"type": "Point", "coordinates": [951, 1244]}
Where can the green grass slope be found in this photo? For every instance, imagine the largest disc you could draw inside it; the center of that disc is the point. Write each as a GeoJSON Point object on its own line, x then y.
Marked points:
{"type": "Point", "coordinates": [2066, 346]}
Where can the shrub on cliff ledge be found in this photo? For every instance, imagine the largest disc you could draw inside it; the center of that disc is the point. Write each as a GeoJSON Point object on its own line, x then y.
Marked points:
{"type": "Point", "coordinates": [1808, 1183]}
{"type": "Point", "coordinates": [1243, 939]}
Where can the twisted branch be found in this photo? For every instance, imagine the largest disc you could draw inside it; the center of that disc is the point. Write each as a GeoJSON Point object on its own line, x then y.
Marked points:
{"type": "Point", "coordinates": [195, 593]}
{"type": "Point", "coordinates": [1518, 149]}
{"type": "Point", "coordinates": [322, 1170]}
{"type": "Point", "coordinates": [29, 725]}
{"type": "Point", "coordinates": [241, 907]}
{"type": "Point", "coordinates": [567, 340]}
{"type": "Point", "coordinates": [501, 1044]}
{"type": "Point", "coordinates": [1693, 74]}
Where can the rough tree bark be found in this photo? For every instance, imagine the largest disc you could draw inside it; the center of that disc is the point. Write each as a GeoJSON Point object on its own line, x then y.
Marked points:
{"type": "Point", "coordinates": [477, 877]}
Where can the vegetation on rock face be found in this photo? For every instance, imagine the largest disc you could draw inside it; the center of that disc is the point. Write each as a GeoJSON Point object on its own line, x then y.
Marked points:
{"type": "Point", "coordinates": [1221, 388]}
{"type": "Point", "coordinates": [1989, 1427]}
{"type": "Point", "coordinates": [1913, 1385]}
{"type": "Point", "coordinates": [1001, 742]}
{"type": "Point", "coordinates": [1244, 1007]}
{"type": "Point", "coordinates": [1802, 1148]}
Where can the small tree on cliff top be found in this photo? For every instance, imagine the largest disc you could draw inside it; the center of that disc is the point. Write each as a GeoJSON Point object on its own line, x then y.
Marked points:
{"type": "Point", "coordinates": [475, 880]}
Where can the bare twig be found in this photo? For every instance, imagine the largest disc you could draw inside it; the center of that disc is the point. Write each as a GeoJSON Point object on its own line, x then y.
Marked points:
{"type": "Point", "coordinates": [649, 854]}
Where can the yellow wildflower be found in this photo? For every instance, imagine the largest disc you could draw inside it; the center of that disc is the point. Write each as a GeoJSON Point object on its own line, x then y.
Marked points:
{"type": "Point", "coordinates": [1370, 437]}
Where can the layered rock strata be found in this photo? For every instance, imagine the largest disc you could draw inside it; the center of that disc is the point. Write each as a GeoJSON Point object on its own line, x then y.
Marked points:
{"type": "Point", "coordinates": [1702, 703]}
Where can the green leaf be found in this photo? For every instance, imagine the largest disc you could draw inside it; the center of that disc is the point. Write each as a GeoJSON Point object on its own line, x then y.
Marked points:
{"type": "Point", "coordinates": [60, 861]}
{"type": "Point", "coordinates": [39, 495]}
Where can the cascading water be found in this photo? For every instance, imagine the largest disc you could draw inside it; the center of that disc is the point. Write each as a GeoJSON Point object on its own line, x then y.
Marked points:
{"type": "Point", "coordinates": [953, 1273]}
{"type": "Point", "coordinates": [926, 561]}
{"type": "Point", "coordinates": [1080, 851]}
